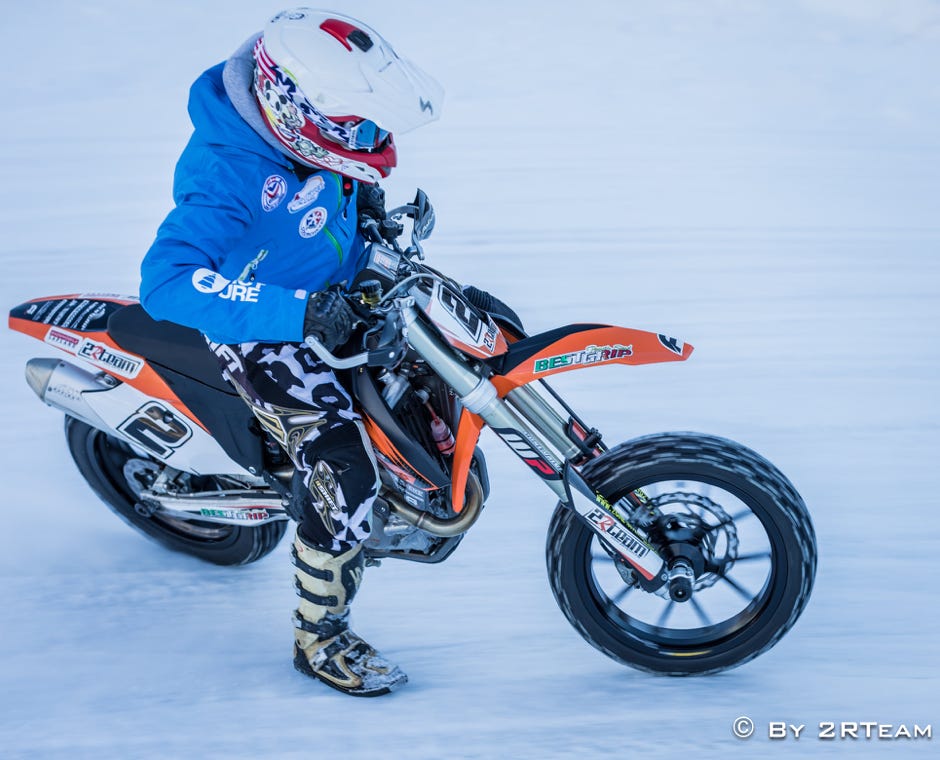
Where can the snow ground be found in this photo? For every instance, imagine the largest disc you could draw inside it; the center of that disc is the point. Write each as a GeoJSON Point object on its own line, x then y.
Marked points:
{"type": "Point", "coordinates": [758, 179]}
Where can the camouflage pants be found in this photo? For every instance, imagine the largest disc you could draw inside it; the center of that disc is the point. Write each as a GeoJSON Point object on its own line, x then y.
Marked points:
{"type": "Point", "coordinates": [299, 401]}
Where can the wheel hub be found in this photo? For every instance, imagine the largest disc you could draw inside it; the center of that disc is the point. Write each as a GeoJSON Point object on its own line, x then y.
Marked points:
{"type": "Point", "coordinates": [140, 474]}
{"type": "Point", "coordinates": [698, 540]}
{"type": "Point", "coordinates": [681, 577]}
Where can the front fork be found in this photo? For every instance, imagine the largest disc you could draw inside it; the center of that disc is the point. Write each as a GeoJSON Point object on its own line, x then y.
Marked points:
{"type": "Point", "coordinates": [535, 433]}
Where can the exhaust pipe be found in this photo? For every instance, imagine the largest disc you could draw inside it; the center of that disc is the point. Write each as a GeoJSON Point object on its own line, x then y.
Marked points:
{"type": "Point", "coordinates": [438, 526]}
{"type": "Point", "coordinates": [62, 386]}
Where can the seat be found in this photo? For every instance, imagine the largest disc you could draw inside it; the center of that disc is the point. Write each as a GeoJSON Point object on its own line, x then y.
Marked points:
{"type": "Point", "coordinates": [182, 358]}
{"type": "Point", "coordinates": [180, 349]}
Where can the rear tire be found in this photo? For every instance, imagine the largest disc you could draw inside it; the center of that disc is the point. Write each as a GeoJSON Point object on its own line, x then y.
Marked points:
{"type": "Point", "coordinates": [694, 475]}
{"type": "Point", "coordinates": [101, 458]}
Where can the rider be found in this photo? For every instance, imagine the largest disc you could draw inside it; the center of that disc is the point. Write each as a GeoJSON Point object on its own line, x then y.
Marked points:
{"type": "Point", "coordinates": [292, 135]}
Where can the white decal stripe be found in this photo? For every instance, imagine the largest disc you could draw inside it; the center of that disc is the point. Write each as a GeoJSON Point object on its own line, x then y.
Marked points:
{"type": "Point", "coordinates": [633, 548]}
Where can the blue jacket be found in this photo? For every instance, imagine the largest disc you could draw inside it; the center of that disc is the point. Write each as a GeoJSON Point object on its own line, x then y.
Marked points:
{"type": "Point", "coordinates": [248, 238]}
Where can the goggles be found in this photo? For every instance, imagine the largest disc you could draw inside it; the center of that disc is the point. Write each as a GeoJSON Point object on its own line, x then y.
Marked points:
{"type": "Point", "coordinates": [355, 135]}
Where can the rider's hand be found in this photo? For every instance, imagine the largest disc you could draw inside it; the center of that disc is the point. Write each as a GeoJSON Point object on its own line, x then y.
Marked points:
{"type": "Point", "coordinates": [373, 220]}
{"type": "Point", "coordinates": [370, 202]}
{"type": "Point", "coordinates": [329, 319]}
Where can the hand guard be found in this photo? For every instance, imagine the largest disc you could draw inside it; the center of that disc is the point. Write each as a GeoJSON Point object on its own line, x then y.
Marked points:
{"type": "Point", "coordinates": [329, 319]}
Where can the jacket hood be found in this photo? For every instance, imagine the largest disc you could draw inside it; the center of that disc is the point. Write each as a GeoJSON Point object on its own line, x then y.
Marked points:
{"type": "Point", "coordinates": [217, 121]}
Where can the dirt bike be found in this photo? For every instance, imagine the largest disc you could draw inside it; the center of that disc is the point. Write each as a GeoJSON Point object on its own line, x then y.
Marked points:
{"type": "Point", "coordinates": [675, 553]}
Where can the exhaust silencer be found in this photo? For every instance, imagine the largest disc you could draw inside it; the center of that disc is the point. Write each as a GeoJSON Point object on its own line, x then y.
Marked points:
{"type": "Point", "coordinates": [61, 385]}
{"type": "Point", "coordinates": [38, 372]}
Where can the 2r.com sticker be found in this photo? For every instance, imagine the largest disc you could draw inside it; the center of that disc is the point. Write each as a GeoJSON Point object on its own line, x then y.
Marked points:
{"type": "Point", "coordinates": [109, 358]}
{"type": "Point", "coordinates": [100, 354]}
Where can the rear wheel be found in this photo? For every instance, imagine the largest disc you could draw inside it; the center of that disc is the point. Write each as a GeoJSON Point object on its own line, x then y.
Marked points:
{"type": "Point", "coordinates": [117, 473]}
{"type": "Point", "coordinates": [708, 504]}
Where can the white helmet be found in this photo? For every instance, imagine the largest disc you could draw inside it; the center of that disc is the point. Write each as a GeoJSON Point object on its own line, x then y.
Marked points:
{"type": "Point", "coordinates": [332, 90]}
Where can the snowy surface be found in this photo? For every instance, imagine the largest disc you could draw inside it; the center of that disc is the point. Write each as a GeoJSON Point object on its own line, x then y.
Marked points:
{"type": "Point", "coordinates": [759, 179]}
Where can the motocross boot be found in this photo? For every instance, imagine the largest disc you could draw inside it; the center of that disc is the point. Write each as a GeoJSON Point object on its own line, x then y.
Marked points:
{"type": "Point", "coordinates": [325, 648]}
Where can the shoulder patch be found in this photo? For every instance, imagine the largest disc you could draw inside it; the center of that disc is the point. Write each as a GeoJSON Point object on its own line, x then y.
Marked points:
{"type": "Point", "coordinates": [307, 194]}
{"type": "Point", "coordinates": [312, 222]}
{"type": "Point", "coordinates": [273, 192]}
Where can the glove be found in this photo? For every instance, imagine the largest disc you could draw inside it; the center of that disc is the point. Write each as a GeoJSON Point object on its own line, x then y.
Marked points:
{"type": "Point", "coordinates": [370, 205]}
{"type": "Point", "coordinates": [329, 319]}
{"type": "Point", "coordinates": [370, 202]}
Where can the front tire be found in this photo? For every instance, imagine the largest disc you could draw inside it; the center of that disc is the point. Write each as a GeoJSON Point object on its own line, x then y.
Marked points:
{"type": "Point", "coordinates": [102, 460]}
{"type": "Point", "coordinates": [755, 539]}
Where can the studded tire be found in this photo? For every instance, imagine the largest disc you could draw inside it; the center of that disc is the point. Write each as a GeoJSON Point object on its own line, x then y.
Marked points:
{"type": "Point", "coordinates": [718, 463]}
{"type": "Point", "coordinates": [100, 459]}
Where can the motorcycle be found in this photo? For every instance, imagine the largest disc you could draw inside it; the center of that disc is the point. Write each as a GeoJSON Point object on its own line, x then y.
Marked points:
{"type": "Point", "coordinates": [674, 553]}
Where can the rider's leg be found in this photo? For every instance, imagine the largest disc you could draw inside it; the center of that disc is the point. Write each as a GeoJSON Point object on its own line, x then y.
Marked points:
{"type": "Point", "coordinates": [300, 402]}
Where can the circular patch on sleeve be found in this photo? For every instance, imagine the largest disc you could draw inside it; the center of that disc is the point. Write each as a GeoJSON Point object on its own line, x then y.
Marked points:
{"type": "Point", "coordinates": [273, 192]}
{"type": "Point", "coordinates": [207, 281]}
{"type": "Point", "coordinates": [312, 222]}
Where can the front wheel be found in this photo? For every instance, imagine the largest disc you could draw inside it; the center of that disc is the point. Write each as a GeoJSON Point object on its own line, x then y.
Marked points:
{"type": "Point", "coordinates": [111, 468]}
{"type": "Point", "coordinates": [722, 509]}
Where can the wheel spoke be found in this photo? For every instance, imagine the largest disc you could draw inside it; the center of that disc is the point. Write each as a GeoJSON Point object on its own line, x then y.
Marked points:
{"type": "Point", "coordinates": [740, 515]}
{"type": "Point", "coordinates": [621, 594]}
{"type": "Point", "coordinates": [752, 557]}
{"type": "Point", "coordinates": [706, 621]}
{"type": "Point", "coordinates": [601, 556]}
{"type": "Point", "coordinates": [738, 587]}
{"type": "Point", "coordinates": [661, 623]}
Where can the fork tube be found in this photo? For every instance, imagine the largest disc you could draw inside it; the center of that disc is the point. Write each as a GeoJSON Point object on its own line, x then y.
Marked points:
{"type": "Point", "coordinates": [479, 395]}
{"type": "Point", "coordinates": [534, 408]}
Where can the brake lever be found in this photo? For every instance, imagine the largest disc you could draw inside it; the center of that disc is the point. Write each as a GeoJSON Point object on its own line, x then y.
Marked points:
{"type": "Point", "coordinates": [391, 348]}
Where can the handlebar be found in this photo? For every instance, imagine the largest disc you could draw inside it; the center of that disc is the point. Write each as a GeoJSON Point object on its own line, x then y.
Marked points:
{"type": "Point", "coordinates": [381, 356]}
{"type": "Point", "coordinates": [387, 353]}
{"type": "Point", "coordinates": [332, 359]}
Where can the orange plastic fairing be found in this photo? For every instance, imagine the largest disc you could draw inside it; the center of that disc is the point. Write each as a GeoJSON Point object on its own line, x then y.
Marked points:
{"type": "Point", "coordinates": [591, 346]}
{"type": "Point", "coordinates": [399, 464]}
{"type": "Point", "coordinates": [468, 433]}
{"type": "Point", "coordinates": [98, 349]}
